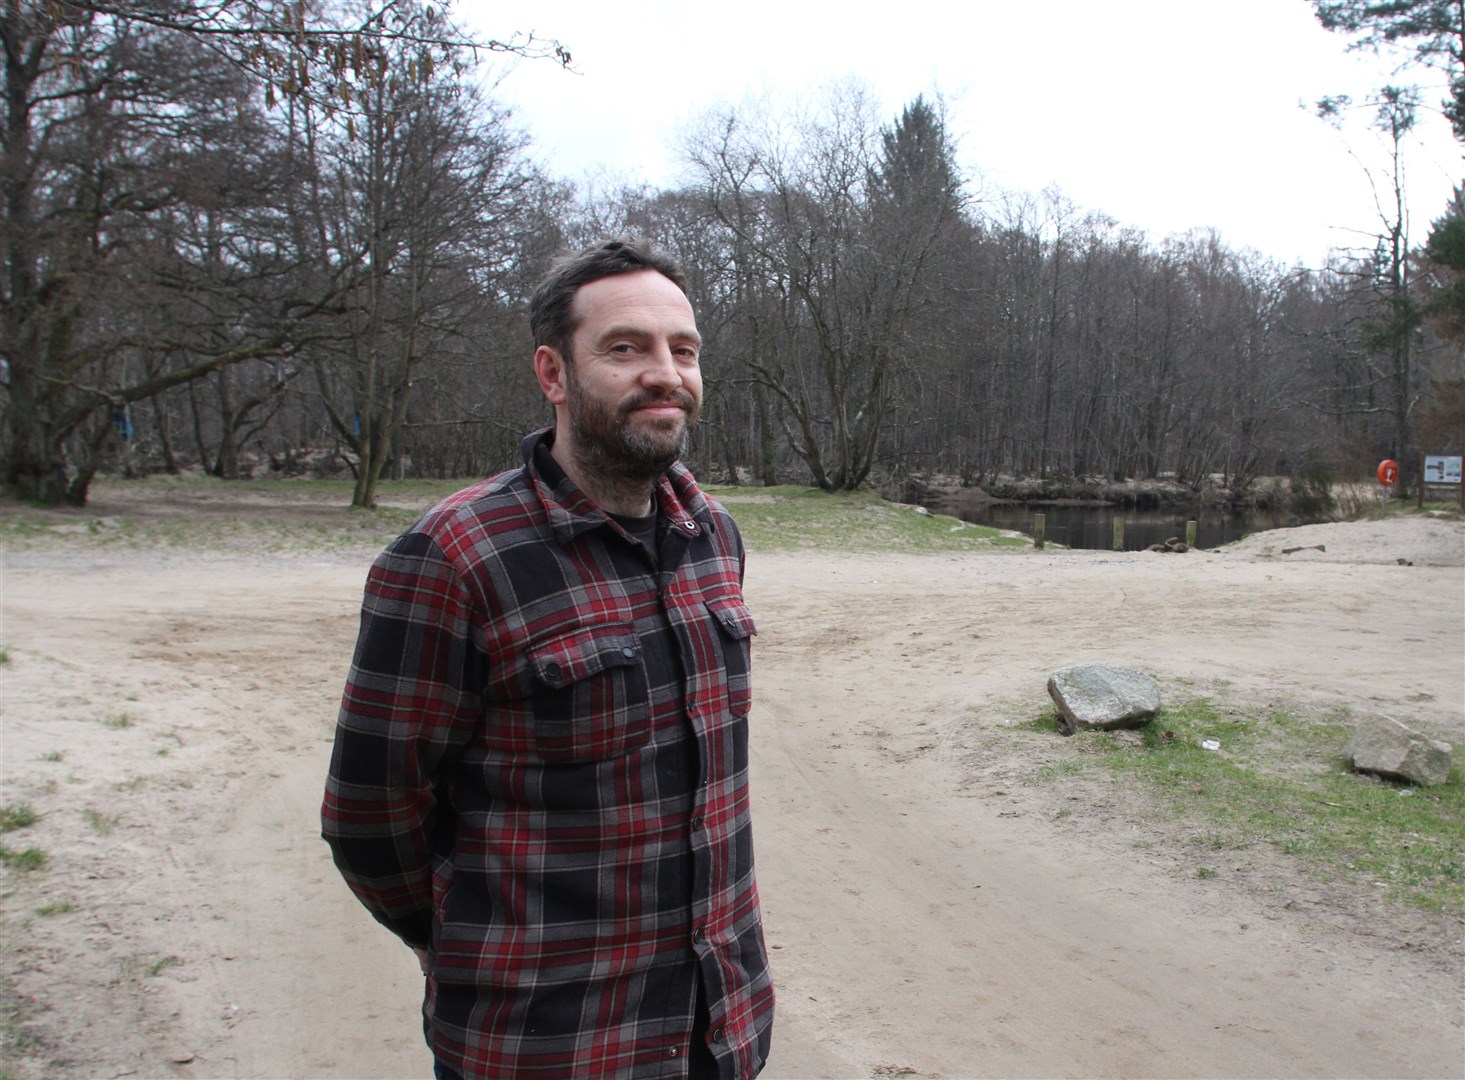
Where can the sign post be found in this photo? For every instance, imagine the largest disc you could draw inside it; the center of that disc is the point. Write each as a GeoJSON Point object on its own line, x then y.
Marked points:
{"type": "Point", "coordinates": [1441, 470]}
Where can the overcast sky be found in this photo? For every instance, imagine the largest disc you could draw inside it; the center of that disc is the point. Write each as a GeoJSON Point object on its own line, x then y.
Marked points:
{"type": "Point", "coordinates": [1164, 114]}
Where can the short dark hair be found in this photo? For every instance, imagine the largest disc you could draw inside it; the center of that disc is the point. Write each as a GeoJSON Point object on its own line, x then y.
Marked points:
{"type": "Point", "coordinates": [551, 320]}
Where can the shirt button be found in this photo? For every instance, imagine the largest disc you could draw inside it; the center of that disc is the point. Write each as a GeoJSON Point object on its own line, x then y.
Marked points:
{"type": "Point", "coordinates": [628, 652]}
{"type": "Point", "coordinates": [696, 824]}
{"type": "Point", "coordinates": [717, 1035]}
{"type": "Point", "coordinates": [552, 671]}
{"type": "Point", "coordinates": [697, 934]}
{"type": "Point", "coordinates": [672, 1052]}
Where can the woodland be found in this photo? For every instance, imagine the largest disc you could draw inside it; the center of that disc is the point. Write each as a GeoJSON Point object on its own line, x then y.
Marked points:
{"type": "Point", "coordinates": [286, 238]}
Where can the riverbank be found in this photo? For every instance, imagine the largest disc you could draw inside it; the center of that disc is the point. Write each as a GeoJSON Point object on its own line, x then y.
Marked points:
{"type": "Point", "coordinates": [1279, 496]}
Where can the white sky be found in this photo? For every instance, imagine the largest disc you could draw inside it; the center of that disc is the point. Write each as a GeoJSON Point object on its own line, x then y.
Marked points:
{"type": "Point", "coordinates": [1163, 114]}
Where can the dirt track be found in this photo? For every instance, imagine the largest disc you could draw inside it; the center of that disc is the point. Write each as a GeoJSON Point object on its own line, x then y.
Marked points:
{"type": "Point", "coordinates": [930, 914]}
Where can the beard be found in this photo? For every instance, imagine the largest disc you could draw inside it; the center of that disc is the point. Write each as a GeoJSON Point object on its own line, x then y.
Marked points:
{"type": "Point", "coordinates": [610, 445]}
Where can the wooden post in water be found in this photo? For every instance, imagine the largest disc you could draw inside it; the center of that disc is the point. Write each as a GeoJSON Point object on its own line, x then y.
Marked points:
{"type": "Point", "coordinates": [1119, 534]}
{"type": "Point", "coordinates": [1190, 531]}
{"type": "Point", "coordinates": [1040, 528]}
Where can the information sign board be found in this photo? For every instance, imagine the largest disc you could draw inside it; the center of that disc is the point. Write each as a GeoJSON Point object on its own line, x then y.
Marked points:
{"type": "Point", "coordinates": [1441, 469]}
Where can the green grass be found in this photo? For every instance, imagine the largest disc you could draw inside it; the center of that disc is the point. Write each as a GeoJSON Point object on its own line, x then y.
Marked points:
{"type": "Point", "coordinates": [162, 964]}
{"type": "Point", "coordinates": [121, 720]}
{"type": "Point", "coordinates": [102, 823]}
{"type": "Point", "coordinates": [151, 968]}
{"type": "Point", "coordinates": [17, 816]}
{"type": "Point", "coordinates": [16, 1036]}
{"type": "Point", "coordinates": [314, 515]}
{"type": "Point", "coordinates": [333, 529]}
{"type": "Point", "coordinates": [57, 907]}
{"type": "Point", "coordinates": [806, 519]}
{"type": "Point", "coordinates": [26, 860]}
{"type": "Point", "coordinates": [13, 817]}
{"type": "Point", "coordinates": [290, 488]}
{"type": "Point", "coordinates": [211, 514]}
{"type": "Point", "coordinates": [1281, 779]}
{"type": "Point", "coordinates": [1377, 510]}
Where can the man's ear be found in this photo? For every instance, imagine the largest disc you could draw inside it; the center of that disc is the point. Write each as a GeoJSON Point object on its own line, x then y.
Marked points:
{"type": "Point", "coordinates": [549, 369]}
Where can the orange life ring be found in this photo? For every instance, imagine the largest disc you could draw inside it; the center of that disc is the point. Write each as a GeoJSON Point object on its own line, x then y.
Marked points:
{"type": "Point", "coordinates": [1388, 472]}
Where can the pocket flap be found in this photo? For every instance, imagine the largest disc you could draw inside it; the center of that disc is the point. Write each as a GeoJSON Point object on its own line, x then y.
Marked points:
{"type": "Point", "coordinates": [577, 654]}
{"type": "Point", "coordinates": [733, 615]}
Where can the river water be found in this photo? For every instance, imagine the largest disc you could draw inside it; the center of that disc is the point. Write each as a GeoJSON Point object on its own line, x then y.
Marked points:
{"type": "Point", "coordinates": [1093, 526]}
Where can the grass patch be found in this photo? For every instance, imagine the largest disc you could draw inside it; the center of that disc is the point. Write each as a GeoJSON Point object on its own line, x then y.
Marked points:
{"type": "Point", "coordinates": [151, 968]}
{"type": "Point", "coordinates": [121, 720]}
{"type": "Point", "coordinates": [102, 823]}
{"type": "Point", "coordinates": [1058, 770]}
{"type": "Point", "coordinates": [208, 514]}
{"type": "Point", "coordinates": [1046, 723]}
{"type": "Point", "coordinates": [59, 907]}
{"type": "Point", "coordinates": [1282, 779]}
{"type": "Point", "coordinates": [285, 490]}
{"type": "Point", "coordinates": [205, 513]}
{"type": "Point", "coordinates": [17, 816]}
{"type": "Point", "coordinates": [54, 755]}
{"type": "Point", "coordinates": [27, 860]}
{"type": "Point", "coordinates": [15, 1034]}
{"type": "Point", "coordinates": [1375, 509]}
{"type": "Point", "coordinates": [791, 518]}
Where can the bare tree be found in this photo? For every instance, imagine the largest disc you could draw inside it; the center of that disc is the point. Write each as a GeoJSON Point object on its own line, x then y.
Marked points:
{"type": "Point", "coordinates": [139, 176]}
{"type": "Point", "coordinates": [420, 195]}
{"type": "Point", "coordinates": [833, 233]}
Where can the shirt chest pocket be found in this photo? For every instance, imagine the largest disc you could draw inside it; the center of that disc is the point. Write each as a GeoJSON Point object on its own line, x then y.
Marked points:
{"type": "Point", "coordinates": [735, 630]}
{"type": "Point", "coordinates": [590, 699]}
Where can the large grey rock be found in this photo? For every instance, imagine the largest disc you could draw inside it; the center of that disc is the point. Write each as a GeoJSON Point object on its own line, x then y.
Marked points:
{"type": "Point", "coordinates": [1387, 748]}
{"type": "Point", "coordinates": [1103, 697]}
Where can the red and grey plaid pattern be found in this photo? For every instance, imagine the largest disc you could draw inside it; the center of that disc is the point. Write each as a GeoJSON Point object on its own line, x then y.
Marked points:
{"type": "Point", "coordinates": [540, 774]}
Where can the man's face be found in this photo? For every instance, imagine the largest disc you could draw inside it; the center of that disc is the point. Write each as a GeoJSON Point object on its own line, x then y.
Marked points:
{"type": "Point", "coordinates": [633, 388]}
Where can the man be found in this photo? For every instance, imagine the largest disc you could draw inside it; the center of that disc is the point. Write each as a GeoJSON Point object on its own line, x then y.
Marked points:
{"type": "Point", "coordinates": [540, 771]}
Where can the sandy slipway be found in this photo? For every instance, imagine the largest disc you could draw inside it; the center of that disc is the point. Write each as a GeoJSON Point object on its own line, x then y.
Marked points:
{"type": "Point", "coordinates": [930, 912]}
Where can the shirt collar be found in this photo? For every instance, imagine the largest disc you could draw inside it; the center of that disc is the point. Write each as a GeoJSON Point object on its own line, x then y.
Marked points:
{"type": "Point", "coordinates": [571, 512]}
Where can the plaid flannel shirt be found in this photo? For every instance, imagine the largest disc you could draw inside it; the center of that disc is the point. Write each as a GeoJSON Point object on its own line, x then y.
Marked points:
{"type": "Point", "coordinates": [540, 775]}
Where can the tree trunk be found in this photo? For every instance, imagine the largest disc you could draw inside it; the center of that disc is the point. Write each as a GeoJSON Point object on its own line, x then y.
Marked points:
{"type": "Point", "coordinates": [165, 443]}
{"type": "Point", "coordinates": [767, 441]}
{"type": "Point", "coordinates": [35, 468]}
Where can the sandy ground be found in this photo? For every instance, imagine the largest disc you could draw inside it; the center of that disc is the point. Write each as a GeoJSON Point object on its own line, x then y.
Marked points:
{"type": "Point", "coordinates": [932, 912]}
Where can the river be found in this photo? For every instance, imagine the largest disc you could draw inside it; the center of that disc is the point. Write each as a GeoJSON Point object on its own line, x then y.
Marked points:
{"type": "Point", "coordinates": [1089, 526]}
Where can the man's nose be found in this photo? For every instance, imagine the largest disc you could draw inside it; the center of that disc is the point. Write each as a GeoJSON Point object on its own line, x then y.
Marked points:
{"type": "Point", "coordinates": [661, 369]}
